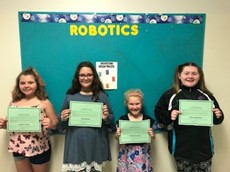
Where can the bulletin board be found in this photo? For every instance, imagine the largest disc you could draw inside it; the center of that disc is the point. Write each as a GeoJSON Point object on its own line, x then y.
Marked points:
{"type": "Point", "coordinates": [146, 47]}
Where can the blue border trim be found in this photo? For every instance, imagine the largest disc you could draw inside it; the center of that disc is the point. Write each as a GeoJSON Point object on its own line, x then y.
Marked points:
{"type": "Point", "coordinates": [59, 17]}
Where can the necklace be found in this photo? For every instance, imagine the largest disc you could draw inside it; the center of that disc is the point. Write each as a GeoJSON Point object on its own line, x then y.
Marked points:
{"type": "Point", "coordinates": [86, 92]}
{"type": "Point", "coordinates": [135, 118]}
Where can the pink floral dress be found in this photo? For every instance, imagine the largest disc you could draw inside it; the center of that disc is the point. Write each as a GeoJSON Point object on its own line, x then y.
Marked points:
{"type": "Point", "coordinates": [30, 143]}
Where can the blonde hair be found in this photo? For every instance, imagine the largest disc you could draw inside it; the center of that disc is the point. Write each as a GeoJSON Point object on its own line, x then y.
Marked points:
{"type": "Point", "coordinates": [133, 93]}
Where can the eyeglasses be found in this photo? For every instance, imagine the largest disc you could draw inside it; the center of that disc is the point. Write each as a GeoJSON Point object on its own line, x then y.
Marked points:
{"type": "Point", "coordinates": [85, 76]}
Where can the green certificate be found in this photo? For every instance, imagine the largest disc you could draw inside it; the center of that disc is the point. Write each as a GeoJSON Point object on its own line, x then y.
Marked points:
{"type": "Point", "coordinates": [196, 112]}
{"type": "Point", "coordinates": [134, 131]}
{"type": "Point", "coordinates": [23, 119]}
{"type": "Point", "coordinates": [85, 114]}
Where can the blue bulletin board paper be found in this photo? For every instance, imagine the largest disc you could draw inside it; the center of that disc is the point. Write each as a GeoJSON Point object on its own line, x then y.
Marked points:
{"type": "Point", "coordinates": [146, 47]}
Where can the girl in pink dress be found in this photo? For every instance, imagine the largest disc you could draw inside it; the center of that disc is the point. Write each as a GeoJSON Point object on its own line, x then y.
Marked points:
{"type": "Point", "coordinates": [31, 150]}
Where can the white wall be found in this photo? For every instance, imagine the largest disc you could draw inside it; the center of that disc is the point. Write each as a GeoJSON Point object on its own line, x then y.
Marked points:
{"type": "Point", "coordinates": [216, 67]}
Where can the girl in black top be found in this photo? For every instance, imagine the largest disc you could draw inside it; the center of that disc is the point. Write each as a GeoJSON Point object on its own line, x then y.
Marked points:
{"type": "Point", "coordinates": [191, 146]}
{"type": "Point", "coordinates": [136, 156]}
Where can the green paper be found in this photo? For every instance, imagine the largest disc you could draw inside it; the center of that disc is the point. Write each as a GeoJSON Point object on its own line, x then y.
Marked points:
{"type": "Point", "coordinates": [23, 119]}
{"type": "Point", "coordinates": [134, 131]}
{"type": "Point", "coordinates": [85, 114]}
{"type": "Point", "coordinates": [196, 112]}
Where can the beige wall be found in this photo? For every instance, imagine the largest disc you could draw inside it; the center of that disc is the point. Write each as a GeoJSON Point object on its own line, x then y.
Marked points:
{"type": "Point", "coordinates": [216, 66]}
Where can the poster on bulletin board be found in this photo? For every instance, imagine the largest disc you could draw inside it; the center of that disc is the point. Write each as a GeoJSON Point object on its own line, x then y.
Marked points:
{"type": "Point", "coordinates": [107, 72]}
{"type": "Point", "coordinates": [145, 48]}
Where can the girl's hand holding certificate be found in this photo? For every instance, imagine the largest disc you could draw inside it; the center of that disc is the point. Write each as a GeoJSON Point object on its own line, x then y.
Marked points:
{"type": "Point", "coordinates": [2, 123]}
{"type": "Point", "coordinates": [65, 114]}
{"type": "Point", "coordinates": [105, 112]}
{"type": "Point", "coordinates": [217, 112]}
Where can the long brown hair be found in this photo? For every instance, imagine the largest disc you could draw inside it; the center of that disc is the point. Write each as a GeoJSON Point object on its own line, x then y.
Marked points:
{"type": "Point", "coordinates": [177, 82]}
{"type": "Point", "coordinates": [96, 86]}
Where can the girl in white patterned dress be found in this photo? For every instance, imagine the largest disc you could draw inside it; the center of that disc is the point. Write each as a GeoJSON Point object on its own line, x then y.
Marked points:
{"type": "Point", "coordinates": [135, 157]}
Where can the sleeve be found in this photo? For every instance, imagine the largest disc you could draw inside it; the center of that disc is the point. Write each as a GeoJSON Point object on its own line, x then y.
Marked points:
{"type": "Point", "coordinates": [123, 117]}
{"type": "Point", "coordinates": [150, 119]}
{"type": "Point", "coordinates": [104, 98]}
{"type": "Point", "coordinates": [65, 105]}
{"type": "Point", "coordinates": [216, 120]}
{"type": "Point", "coordinates": [161, 111]}
{"type": "Point", "coordinates": [117, 122]}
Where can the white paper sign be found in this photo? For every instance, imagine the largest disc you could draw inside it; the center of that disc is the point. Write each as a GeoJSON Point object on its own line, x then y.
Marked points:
{"type": "Point", "coordinates": [107, 72]}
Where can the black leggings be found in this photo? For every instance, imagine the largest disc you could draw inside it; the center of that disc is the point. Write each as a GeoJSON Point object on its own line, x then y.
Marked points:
{"type": "Point", "coordinates": [188, 166]}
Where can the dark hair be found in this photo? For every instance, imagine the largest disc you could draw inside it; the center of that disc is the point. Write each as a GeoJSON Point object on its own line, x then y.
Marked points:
{"type": "Point", "coordinates": [201, 83]}
{"type": "Point", "coordinates": [40, 93]}
{"type": "Point", "coordinates": [96, 86]}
